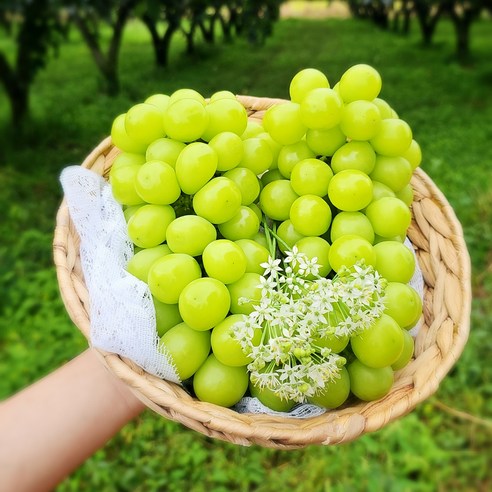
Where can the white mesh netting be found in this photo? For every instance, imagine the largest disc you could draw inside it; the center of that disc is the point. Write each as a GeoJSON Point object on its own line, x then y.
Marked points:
{"type": "Point", "coordinates": [122, 313]}
{"type": "Point", "coordinates": [121, 309]}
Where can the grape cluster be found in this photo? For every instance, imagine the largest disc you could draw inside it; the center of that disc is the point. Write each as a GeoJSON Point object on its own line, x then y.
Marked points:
{"type": "Point", "coordinates": [328, 172]}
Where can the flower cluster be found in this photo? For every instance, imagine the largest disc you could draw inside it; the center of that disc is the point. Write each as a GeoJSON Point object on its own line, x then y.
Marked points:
{"type": "Point", "coordinates": [298, 308]}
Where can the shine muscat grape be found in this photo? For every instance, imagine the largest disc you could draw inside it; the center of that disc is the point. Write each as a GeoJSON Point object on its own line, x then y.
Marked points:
{"type": "Point", "coordinates": [329, 173]}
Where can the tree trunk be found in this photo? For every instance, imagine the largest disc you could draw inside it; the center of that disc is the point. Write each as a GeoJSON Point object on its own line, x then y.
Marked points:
{"type": "Point", "coordinates": [427, 20]}
{"type": "Point", "coordinates": [190, 37]}
{"type": "Point", "coordinates": [226, 29]}
{"type": "Point", "coordinates": [161, 44]}
{"type": "Point", "coordinates": [462, 27]}
{"type": "Point", "coordinates": [463, 40]}
{"type": "Point", "coordinates": [17, 92]}
{"type": "Point", "coordinates": [407, 16]}
{"type": "Point", "coordinates": [107, 63]}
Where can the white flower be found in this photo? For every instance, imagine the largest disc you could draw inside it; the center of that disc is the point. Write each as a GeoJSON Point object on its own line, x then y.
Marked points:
{"type": "Point", "coordinates": [297, 307]}
{"type": "Point", "coordinates": [271, 266]}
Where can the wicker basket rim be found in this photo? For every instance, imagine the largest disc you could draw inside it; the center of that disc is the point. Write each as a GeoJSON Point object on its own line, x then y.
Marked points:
{"type": "Point", "coordinates": [438, 238]}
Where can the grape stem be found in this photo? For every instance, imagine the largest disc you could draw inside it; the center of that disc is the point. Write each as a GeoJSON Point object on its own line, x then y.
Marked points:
{"type": "Point", "coordinates": [272, 238]}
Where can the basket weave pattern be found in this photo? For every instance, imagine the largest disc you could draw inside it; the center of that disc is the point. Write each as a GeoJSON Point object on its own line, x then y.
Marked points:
{"type": "Point", "coordinates": [443, 258]}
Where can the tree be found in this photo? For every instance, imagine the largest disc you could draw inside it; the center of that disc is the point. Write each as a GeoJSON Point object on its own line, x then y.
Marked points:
{"type": "Point", "coordinates": [36, 29]}
{"type": "Point", "coordinates": [463, 13]}
{"type": "Point", "coordinates": [428, 13]}
{"type": "Point", "coordinates": [167, 12]}
{"type": "Point", "coordinates": [88, 15]}
{"type": "Point", "coordinates": [164, 18]}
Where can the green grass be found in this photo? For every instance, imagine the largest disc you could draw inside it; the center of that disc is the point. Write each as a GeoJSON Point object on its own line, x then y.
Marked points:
{"type": "Point", "coordinates": [449, 107]}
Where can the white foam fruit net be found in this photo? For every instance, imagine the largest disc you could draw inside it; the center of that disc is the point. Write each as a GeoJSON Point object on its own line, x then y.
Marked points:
{"type": "Point", "coordinates": [122, 313]}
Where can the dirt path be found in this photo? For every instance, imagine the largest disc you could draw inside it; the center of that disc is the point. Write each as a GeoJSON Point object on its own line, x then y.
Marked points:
{"type": "Point", "coordinates": [314, 10]}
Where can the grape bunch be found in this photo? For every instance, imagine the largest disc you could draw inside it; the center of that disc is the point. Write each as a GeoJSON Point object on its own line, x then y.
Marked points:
{"type": "Point", "coordinates": [213, 199]}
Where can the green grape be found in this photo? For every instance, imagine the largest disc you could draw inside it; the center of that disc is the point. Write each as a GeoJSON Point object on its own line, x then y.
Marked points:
{"type": "Point", "coordinates": [247, 182]}
{"type": "Point", "coordinates": [229, 149]}
{"type": "Point", "coordinates": [269, 176]}
{"type": "Point", "coordinates": [389, 217]}
{"type": "Point", "coordinates": [360, 82]}
{"type": "Point", "coordinates": [326, 141]}
{"type": "Point", "coordinates": [348, 250]}
{"type": "Point", "coordinates": [380, 239]}
{"type": "Point", "coordinates": [413, 154]}
{"type": "Point", "coordinates": [380, 190]}
{"type": "Point", "coordinates": [283, 123]}
{"type": "Point", "coordinates": [164, 149]}
{"type": "Point", "coordinates": [276, 198]}
{"type": "Point", "coordinates": [258, 155]}
{"type": "Point", "coordinates": [122, 140]}
{"type": "Point", "coordinates": [290, 155]}
{"type": "Point", "coordinates": [380, 344]}
{"type": "Point", "coordinates": [122, 181]}
{"type": "Point", "coordinates": [305, 81]}
{"type": "Point", "coordinates": [253, 129]}
{"type": "Point", "coordinates": [311, 177]}
{"type": "Point", "coordinates": [310, 215]}
{"type": "Point", "coordinates": [361, 120]}
{"type": "Point", "coordinates": [186, 94]}
{"type": "Point", "coordinates": [402, 303]}
{"type": "Point", "coordinates": [406, 195]}
{"type": "Point", "coordinates": [368, 383]}
{"type": "Point", "coordinates": [190, 234]}
{"type": "Point", "coordinates": [148, 225]}
{"type": "Point", "coordinates": [261, 239]}
{"type": "Point", "coordinates": [204, 303]}
{"type": "Point", "coordinates": [288, 235]}
{"type": "Point", "coordinates": [336, 343]}
{"type": "Point", "coordinates": [188, 349]}
{"type": "Point", "coordinates": [321, 108]}
{"type": "Point", "coordinates": [224, 260]}
{"type": "Point", "coordinates": [222, 95]}
{"type": "Point", "coordinates": [268, 398]}
{"type": "Point", "coordinates": [256, 210]}
{"type": "Point", "coordinates": [195, 166]}
{"type": "Point", "coordinates": [315, 247]}
{"type": "Point", "coordinates": [255, 254]}
{"type": "Point", "coordinates": [350, 190]}
{"type": "Point", "coordinates": [394, 172]}
{"type": "Point", "coordinates": [393, 138]}
{"type": "Point", "coordinates": [156, 182]}
{"type": "Point", "coordinates": [225, 115]}
{"type": "Point", "coordinates": [144, 124]}
{"type": "Point", "coordinates": [218, 201]}
{"type": "Point", "coordinates": [129, 211]}
{"type": "Point", "coordinates": [160, 101]}
{"type": "Point", "coordinates": [394, 261]}
{"type": "Point", "coordinates": [274, 146]}
{"type": "Point", "coordinates": [169, 275]}
{"type": "Point", "coordinates": [244, 225]}
{"type": "Point", "coordinates": [126, 159]}
{"type": "Point", "coordinates": [185, 120]}
{"type": "Point", "coordinates": [225, 347]}
{"type": "Point", "coordinates": [335, 392]}
{"type": "Point", "coordinates": [245, 293]}
{"type": "Point", "coordinates": [219, 384]}
{"type": "Point", "coordinates": [139, 265]}
{"type": "Point", "coordinates": [384, 108]}
{"type": "Point", "coordinates": [354, 155]}
{"type": "Point", "coordinates": [166, 316]}
{"type": "Point", "coordinates": [406, 354]}
{"type": "Point", "coordinates": [351, 223]}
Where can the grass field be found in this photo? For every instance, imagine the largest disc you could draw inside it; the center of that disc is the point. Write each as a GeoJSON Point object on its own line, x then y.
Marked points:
{"type": "Point", "coordinates": [446, 443]}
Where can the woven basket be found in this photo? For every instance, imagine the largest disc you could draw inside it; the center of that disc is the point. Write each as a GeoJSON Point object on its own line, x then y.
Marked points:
{"type": "Point", "coordinates": [444, 261]}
